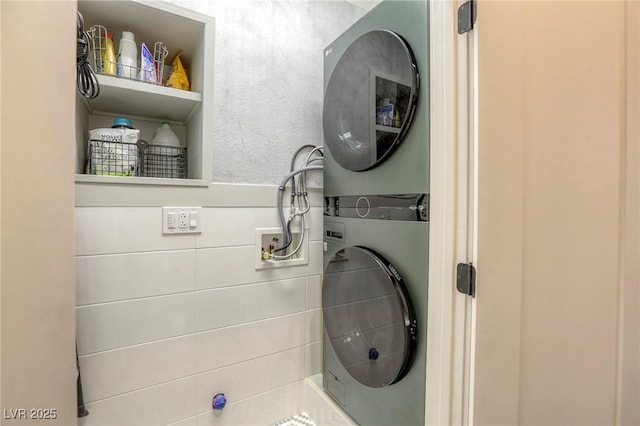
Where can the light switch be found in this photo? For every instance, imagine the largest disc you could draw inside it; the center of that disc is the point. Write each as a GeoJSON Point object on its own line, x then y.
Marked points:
{"type": "Point", "coordinates": [193, 219]}
{"type": "Point", "coordinates": [171, 220]}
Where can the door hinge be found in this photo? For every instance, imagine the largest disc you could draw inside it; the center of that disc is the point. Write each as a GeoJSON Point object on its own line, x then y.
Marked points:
{"type": "Point", "coordinates": [466, 279]}
{"type": "Point", "coordinates": [466, 16]}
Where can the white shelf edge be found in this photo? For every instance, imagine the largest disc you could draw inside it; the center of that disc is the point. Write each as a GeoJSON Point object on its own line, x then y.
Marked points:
{"type": "Point", "coordinates": [387, 129]}
{"type": "Point", "coordinates": [215, 194]}
{"type": "Point", "coordinates": [134, 117]}
{"type": "Point", "coordinates": [138, 86]}
{"type": "Point", "coordinates": [136, 180]}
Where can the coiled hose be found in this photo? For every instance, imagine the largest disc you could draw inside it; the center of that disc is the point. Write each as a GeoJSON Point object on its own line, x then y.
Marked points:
{"type": "Point", "coordinates": [86, 80]}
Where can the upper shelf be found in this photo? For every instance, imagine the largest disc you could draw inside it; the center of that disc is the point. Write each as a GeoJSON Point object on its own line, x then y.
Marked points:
{"type": "Point", "coordinates": [388, 129]}
{"type": "Point", "coordinates": [140, 99]}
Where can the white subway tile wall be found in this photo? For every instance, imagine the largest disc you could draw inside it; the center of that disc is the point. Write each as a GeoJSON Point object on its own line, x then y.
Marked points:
{"type": "Point", "coordinates": [314, 358]}
{"type": "Point", "coordinates": [249, 302]}
{"type": "Point", "coordinates": [166, 322]}
{"type": "Point", "coordinates": [109, 278]}
{"type": "Point", "coordinates": [231, 266]}
{"type": "Point", "coordinates": [152, 406]}
{"type": "Point", "coordinates": [251, 377]}
{"type": "Point", "coordinates": [263, 409]}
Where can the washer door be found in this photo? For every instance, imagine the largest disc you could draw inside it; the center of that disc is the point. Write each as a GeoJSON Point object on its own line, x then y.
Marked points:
{"type": "Point", "coordinates": [368, 317]}
{"type": "Point", "coordinates": [370, 100]}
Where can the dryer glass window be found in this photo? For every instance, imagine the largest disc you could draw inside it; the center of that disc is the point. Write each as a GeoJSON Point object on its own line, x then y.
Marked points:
{"type": "Point", "coordinates": [370, 100]}
{"type": "Point", "coordinates": [368, 317]}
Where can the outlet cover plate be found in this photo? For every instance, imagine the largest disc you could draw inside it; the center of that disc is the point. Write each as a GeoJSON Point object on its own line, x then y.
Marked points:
{"type": "Point", "coordinates": [181, 220]}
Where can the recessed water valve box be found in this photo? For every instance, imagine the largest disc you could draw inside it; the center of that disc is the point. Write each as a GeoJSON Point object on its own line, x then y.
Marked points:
{"type": "Point", "coordinates": [181, 220]}
{"type": "Point", "coordinates": [268, 240]}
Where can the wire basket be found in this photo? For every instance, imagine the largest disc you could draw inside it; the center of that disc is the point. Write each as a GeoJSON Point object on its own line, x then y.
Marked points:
{"type": "Point", "coordinates": [108, 158]}
{"type": "Point", "coordinates": [164, 162]}
{"type": "Point", "coordinates": [101, 65]}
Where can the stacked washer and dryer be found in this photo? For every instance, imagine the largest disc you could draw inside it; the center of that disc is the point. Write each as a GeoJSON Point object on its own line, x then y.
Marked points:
{"type": "Point", "coordinates": [376, 218]}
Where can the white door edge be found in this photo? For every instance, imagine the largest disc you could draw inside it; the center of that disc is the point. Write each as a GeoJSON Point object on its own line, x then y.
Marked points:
{"type": "Point", "coordinates": [466, 220]}
{"type": "Point", "coordinates": [447, 376]}
{"type": "Point", "coordinates": [453, 217]}
{"type": "Point", "coordinates": [472, 209]}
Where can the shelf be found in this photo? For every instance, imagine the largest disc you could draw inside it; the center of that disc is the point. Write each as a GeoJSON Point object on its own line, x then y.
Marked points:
{"type": "Point", "coordinates": [134, 98]}
{"type": "Point", "coordinates": [146, 104]}
{"type": "Point", "coordinates": [387, 129]}
{"type": "Point", "coordinates": [133, 180]}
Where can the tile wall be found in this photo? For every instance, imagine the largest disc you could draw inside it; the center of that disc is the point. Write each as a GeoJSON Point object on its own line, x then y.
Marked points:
{"type": "Point", "coordinates": [166, 322]}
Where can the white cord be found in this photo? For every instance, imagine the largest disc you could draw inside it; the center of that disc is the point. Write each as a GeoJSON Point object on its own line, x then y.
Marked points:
{"type": "Point", "coordinates": [317, 148]}
{"type": "Point", "coordinates": [303, 177]}
{"type": "Point", "coordinates": [302, 198]}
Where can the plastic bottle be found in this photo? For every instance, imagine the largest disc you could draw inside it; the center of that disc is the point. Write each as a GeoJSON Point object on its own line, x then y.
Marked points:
{"type": "Point", "coordinates": [396, 117]}
{"type": "Point", "coordinates": [123, 152]}
{"type": "Point", "coordinates": [108, 56]}
{"type": "Point", "coordinates": [122, 123]}
{"type": "Point", "coordinates": [387, 112]}
{"type": "Point", "coordinates": [165, 136]}
{"type": "Point", "coordinates": [127, 56]}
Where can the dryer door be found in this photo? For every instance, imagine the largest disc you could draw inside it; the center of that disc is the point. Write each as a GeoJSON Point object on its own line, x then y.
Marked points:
{"type": "Point", "coordinates": [370, 100]}
{"type": "Point", "coordinates": [368, 317]}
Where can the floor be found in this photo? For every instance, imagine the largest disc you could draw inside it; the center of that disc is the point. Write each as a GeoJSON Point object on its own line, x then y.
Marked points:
{"type": "Point", "coordinates": [319, 408]}
{"type": "Point", "coordinates": [301, 419]}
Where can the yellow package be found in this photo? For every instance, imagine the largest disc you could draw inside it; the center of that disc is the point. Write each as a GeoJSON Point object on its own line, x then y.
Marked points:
{"type": "Point", "coordinates": [178, 78]}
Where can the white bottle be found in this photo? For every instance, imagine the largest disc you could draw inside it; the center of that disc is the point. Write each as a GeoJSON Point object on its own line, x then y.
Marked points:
{"type": "Point", "coordinates": [127, 56]}
{"type": "Point", "coordinates": [165, 136]}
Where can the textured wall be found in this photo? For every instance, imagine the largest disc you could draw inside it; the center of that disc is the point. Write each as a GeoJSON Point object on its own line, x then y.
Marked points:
{"type": "Point", "coordinates": [268, 81]}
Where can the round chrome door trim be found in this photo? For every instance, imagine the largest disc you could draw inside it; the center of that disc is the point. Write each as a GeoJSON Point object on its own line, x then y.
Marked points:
{"type": "Point", "coordinates": [370, 100]}
{"type": "Point", "coordinates": [368, 317]}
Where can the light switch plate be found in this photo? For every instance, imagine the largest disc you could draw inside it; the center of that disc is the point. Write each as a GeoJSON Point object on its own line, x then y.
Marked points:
{"type": "Point", "coordinates": [181, 220]}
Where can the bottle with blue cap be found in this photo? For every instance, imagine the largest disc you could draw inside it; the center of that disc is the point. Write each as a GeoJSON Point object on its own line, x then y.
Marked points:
{"type": "Point", "coordinates": [122, 123]}
{"type": "Point", "coordinates": [121, 130]}
{"type": "Point", "coordinates": [115, 152]}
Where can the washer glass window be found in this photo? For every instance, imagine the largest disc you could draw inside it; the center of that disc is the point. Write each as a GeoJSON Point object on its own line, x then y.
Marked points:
{"type": "Point", "coordinates": [370, 100]}
{"type": "Point", "coordinates": [368, 317]}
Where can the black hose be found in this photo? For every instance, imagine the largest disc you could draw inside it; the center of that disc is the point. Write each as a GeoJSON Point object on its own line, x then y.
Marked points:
{"type": "Point", "coordinates": [82, 409]}
{"type": "Point", "coordinates": [86, 80]}
{"type": "Point", "coordinates": [289, 238]}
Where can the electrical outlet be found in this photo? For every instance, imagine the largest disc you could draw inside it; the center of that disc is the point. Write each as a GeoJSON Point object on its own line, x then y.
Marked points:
{"type": "Point", "coordinates": [181, 220]}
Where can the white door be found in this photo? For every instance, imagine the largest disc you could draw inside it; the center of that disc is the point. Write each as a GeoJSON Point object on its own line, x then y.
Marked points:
{"type": "Point", "coordinates": [551, 336]}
